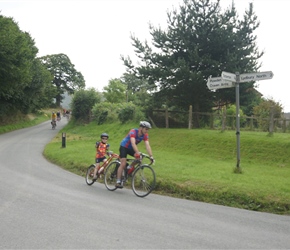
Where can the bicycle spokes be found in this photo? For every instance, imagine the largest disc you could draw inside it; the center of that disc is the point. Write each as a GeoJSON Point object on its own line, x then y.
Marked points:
{"type": "Point", "coordinates": [143, 181]}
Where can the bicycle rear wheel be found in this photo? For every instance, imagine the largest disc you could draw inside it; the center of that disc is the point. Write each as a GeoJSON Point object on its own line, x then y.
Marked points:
{"type": "Point", "coordinates": [143, 180]}
{"type": "Point", "coordinates": [111, 175]}
{"type": "Point", "coordinates": [90, 175]}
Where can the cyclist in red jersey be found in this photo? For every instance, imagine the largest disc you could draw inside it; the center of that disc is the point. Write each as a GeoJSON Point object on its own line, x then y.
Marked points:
{"type": "Point", "coordinates": [102, 149]}
{"type": "Point", "coordinates": [128, 146]}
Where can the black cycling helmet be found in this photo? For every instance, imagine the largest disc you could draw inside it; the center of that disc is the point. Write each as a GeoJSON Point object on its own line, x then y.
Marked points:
{"type": "Point", "coordinates": [104, 135]}
{"type": "Point", "coordinates": [145, 124]}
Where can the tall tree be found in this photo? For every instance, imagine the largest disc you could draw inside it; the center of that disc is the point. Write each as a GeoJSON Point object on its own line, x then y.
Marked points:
{"type": "Point", "coordinates": [65, 76]}
{"type": "Point", "coordinates": [200, 41]}
{"type": "Point", "coordinates": [138, 90]}
{"type": "Point", "coordinates": [17, 53]}
{"type": "Point", "coordinates": [40, 93]}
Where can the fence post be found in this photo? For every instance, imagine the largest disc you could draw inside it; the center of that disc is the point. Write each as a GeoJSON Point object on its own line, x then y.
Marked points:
{"type": "Point", "coordinates": [224, 120]}
{"type": "Point", "coordinates": [252, 122]}
{"type": "Point", "coordinates": [211, 121]}
{"type": "Point", "coordinates": [284, 125]}
{"type": "Point", "coordinates": [190, 117]}
{"type": "Point", "coordinates": [271, 125]}
{"type": "Point", "coordinates": [166, 118]}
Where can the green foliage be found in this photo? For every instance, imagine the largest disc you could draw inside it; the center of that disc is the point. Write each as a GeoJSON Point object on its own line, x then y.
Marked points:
{"type": "Point", "coordinates": [138, 90]}
{"type": "Point", "coordinates": [105, 112]}
{"type": "Point", "coordinates": [264, 110]}
{"type": "Point", "coordinates": [39, 94]}
{"type": "Point", "coordinates": [19, 121]}
{"type": "Point", "coordinates": [199, 41]}
{"type": "Point", "coordinates": [23, 81]}
{"type": "Point", "coordinates": [115, 92]}
{"type": "Point", "coordinates": [231, 111]}
{"type": "Point", "coordinates": [130, 112]}
{"type": "Point", "coordinates": [83, 102]}
{"type": "Point", "coordinates": [65, 76]}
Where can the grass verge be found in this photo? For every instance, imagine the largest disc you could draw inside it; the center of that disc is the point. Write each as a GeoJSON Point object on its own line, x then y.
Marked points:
{"type": "Point", "coordinates": [24, 121]}
{"type": "Point", "coordinates": [196, 164]}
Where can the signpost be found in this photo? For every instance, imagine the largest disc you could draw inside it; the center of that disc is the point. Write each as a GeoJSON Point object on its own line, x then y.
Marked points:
{"type": "Point", "coordinates": [248, 77]}
{"type": "Point", "coordinates": [228, 76]}
{"type": "Point", "coordinates": [228, 80]}
{"type": "Point", "coordinates": [218, 83]}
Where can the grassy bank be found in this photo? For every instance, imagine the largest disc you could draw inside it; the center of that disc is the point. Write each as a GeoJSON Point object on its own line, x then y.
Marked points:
{"type": "Point", "coordinates": [23, 121]}
{"type": "Point", "coordinates": [196, 164]}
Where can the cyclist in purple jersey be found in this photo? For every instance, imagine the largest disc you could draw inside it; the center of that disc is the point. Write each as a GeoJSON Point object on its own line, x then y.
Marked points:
{"type": "Point", "coordinates": [128, 146]}
{"type": "Point", "coordinates": [126, 142]}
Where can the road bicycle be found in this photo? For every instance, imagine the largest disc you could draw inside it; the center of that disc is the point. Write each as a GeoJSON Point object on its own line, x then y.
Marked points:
{"type": "Point", "coordinates": [53, 124]}
{"type": "Point", "coordinates": [142, 177]}
{"type": "Point", "coordinates": [103, 166]}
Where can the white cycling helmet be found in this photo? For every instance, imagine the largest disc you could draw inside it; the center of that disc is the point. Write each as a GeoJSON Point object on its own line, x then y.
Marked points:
{"type": "Point", "coordinates": [145, 124]}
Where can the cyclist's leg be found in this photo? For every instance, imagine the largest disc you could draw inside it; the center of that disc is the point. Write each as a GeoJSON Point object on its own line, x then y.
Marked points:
{"type": "Point", "coordinates": [119, 173]}
{"type": "Point", "coordinates": [98, 160]}
{"type": "Point", "coordinates": [123, 159]}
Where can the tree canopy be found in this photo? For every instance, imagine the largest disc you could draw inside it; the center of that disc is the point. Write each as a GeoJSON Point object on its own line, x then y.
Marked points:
{"type": "Point", "coordinates": [65, 76]}
{"type": "Point", "coordinates": [21, 74]}
{"type": "Point", "coordinates": [200, 40]}
{"type": "Point", "coordinates": [115, 92]}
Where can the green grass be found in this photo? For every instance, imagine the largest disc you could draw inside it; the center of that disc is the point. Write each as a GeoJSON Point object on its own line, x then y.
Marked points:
{"type": "Point", "coordinates": [24, 121]}
{"type": "Point", "coordinates": [196, 164]}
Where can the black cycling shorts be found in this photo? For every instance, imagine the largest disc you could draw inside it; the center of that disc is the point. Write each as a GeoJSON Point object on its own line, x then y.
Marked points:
{"type": "Point", "coordinates": [126, 151]}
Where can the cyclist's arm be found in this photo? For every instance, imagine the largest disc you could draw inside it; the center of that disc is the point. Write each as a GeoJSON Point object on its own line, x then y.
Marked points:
{"type": "Point", "coordinates": [133, 143]}
{"type": "Point", "coordinates": [148, 148]}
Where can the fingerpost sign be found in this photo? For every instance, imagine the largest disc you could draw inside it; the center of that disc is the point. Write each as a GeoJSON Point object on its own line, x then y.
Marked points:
{"type": "Point", "coordinates": [228, 80]}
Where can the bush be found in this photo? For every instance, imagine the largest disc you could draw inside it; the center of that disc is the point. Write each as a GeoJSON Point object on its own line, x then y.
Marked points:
{"type": "Point", "coordinates": [130, 112]}
{"type": "Point", "coordinates": [82, 103]}
{"type": "Point", "coordinates": [105, 112]}
{"type": "Point", "coordinates": [114, 112]}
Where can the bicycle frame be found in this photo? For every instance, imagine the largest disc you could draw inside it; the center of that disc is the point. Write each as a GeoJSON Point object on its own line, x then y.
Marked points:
{"type": "Point", "coordinates": [91, 168]}
{"type": "Point", "coordinates": [108, 161]}
{"type": "Point", "coordinates": [138, 163]}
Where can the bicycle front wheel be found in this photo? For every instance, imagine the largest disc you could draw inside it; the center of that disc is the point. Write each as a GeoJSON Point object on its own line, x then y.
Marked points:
{"type": "Point", "coordinates": [143, 180]}
{"type": "Point", "coordinates": [111, 175]}
{"type": "Point", "coordinates": [90, 175]}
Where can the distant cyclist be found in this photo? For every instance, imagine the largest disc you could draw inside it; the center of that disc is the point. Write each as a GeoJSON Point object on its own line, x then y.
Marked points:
{"type": "Point", "coordinates": [58, 115]}
{"type": "Point", "coordinates": [128, 146]}
{"type": "Point", "coordinates": [53, 118]}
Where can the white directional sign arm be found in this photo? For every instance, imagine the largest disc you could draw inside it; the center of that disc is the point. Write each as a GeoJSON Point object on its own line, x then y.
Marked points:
{"type": "Point", "coordinates": [258, 76]}
{"type": "Point", "coordinates": [218, 83]}
{"type": "Point", "coordinates": [228, 76]}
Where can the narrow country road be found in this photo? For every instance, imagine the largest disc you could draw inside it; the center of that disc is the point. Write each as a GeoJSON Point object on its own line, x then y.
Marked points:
{"type": "Point", "coordinates": [45, 207]}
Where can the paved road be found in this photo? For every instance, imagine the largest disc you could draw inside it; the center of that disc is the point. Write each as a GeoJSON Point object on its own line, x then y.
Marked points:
{"type": "Point", "coordinates": [45, 207]}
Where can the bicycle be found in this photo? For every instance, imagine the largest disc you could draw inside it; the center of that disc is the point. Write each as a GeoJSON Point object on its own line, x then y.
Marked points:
{"type": "Point", "coordinates": [53, 124]}
{"type": "Point", "coordinates": [143, 179]}
{"type": "Point", "coordinates": [91, 168]}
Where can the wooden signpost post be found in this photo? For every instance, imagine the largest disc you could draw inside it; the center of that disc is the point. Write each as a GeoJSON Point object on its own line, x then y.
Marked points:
{"type": "Point", "coordinates": [228, 80]}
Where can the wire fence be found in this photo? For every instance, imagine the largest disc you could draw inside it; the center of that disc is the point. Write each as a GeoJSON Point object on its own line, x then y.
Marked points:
{"type": "Point", "coordinates": [163, 118]}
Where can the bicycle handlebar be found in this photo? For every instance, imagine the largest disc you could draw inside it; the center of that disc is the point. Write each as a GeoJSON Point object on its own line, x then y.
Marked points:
{"type": "Point", "coordinates": [112, 154]}
{"type": "Point", "coordinates": [146, 156]}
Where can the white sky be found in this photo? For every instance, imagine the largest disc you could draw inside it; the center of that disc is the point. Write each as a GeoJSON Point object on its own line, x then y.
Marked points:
{"type": "Point", "coordinates": [94, 33]}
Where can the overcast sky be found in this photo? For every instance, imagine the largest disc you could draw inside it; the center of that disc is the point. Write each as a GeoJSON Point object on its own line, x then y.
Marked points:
{"type": "Point", "coordinates": [94, 33]}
